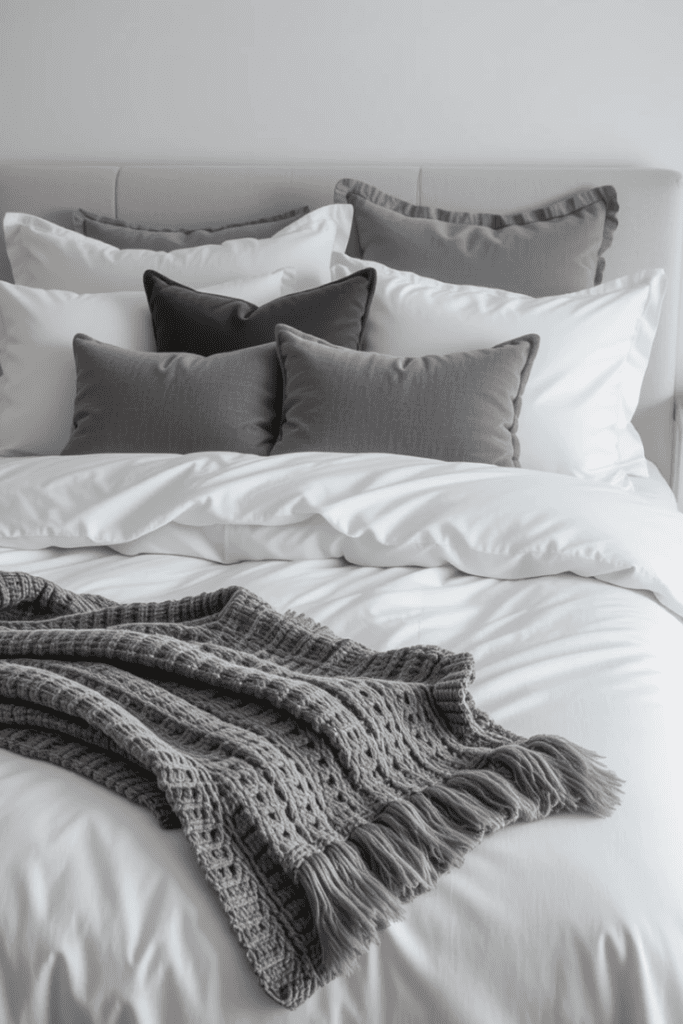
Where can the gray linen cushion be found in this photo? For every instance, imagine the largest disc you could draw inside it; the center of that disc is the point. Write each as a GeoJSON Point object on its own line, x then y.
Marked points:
{"type": "Point", "coordinates": [133, 236]}
{"type": "Point", "coordinates": [461, 407]}
{"type": "Point", "coordinates": [173, 402]}
{"type": "Point", "coordinates": [547, 251]}
{"type": "Point", "coordinates": [186, 320]}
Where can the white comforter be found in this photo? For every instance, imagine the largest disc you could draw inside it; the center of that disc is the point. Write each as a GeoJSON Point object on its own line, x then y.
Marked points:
{"type": "Point", "coordinates": [568, 594]}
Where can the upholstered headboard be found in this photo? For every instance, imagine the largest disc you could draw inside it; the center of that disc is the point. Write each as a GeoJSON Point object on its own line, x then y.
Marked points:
{"type": "Point", "coordinates": [650, 232]}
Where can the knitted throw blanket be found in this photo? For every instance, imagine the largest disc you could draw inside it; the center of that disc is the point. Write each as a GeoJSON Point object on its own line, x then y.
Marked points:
{"type": "Point", "coordinates": [321, 784]}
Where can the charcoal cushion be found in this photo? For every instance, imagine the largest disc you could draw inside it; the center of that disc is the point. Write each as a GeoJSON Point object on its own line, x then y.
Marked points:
{"type": "Point", "coordinates": [173, 401]}
{"type": "Point", "coordinates": [186, 320]}
{"type": "Point", "coordinates": [460, 407]}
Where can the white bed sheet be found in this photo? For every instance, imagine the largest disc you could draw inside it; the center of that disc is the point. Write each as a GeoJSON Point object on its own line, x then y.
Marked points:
{"type": "Point", "coordinates": [105, 917]}
{"type": "Point", "coordinates": [654, 487]}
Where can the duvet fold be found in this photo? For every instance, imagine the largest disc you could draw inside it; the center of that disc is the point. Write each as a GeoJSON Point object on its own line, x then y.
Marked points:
{"type": "Point", "coordinates": [321, 784]}
{"type": "Point", "coordinates": [370, 509]}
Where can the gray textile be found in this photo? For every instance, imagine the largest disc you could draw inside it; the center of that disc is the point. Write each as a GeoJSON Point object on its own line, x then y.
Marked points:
{"type": "Point", "coordinates": [175, 402]}
{"type": "Point", "coordinates": [186, 320]}
{"type": "Point", "coordinates": [460, 407]}
{"type": "Point", "coordinates": [320, 783]}
{"type": "Point", "coordinates": [546, 251]}
{"type": "Point", "coordinates": [132, 236]}
{"type": "Point", "coordinates": [159, 402]}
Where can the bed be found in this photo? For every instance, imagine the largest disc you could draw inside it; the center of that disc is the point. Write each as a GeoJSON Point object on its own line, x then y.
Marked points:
{"type": "Point", "coordinates": [556, 565]}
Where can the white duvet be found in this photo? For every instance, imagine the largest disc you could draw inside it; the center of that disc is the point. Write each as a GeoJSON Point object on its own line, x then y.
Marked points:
{"type": "Point", "coordinates": [570, 597]}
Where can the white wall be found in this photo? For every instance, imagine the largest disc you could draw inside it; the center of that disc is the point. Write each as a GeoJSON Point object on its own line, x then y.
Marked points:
{"type": "Point", "coordinates": [409, 80]}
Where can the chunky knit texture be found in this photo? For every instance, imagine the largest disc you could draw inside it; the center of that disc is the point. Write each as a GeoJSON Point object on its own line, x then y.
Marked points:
{"type": "Point", "coordinates": [320, 783]}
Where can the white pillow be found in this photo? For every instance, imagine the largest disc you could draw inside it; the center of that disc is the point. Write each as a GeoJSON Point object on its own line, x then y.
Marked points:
{"type": "Point", "coordinates": [38, 381]}
{"type": "Point", "coordinates": [585, 382]}
{"type": "Point", "coordinates": [45, 255]}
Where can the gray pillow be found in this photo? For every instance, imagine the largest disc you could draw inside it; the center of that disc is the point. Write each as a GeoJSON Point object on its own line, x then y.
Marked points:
{"type": "Point", "coordinates": [548, 251]}
{"type": "Point", "coordinates": [461, 407]}
{"type": "Point", "coordinates": [133, 236]}
{"type": "Point", "coordinates": [186, 320]}
{"type": "Point", "coordinates": [173, 401]}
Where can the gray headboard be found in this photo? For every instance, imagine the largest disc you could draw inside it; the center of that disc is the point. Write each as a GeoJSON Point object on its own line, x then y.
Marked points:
{"type": "Point", "coordinates": [650, 231]}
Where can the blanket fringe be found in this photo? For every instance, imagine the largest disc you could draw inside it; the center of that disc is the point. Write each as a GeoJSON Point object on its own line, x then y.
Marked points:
{"type": "Point", "coordinates": [551, 774]}
{"type": "Point", "coordinates": [532, 774]}
{"type": "Point", "coordinates": [587, 785]}
{"type": "Point", "coordinates": [481, 801]}
{"type": "Point", "coordinates": [355, 889]}
{"type": "Point", "coordinates": [402, 867]}
{"type": "Point", "coordinates": [349, 905]}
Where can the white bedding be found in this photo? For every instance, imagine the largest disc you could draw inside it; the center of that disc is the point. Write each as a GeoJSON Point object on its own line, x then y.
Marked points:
{"type": "Point", "coordinates": [106, 918]}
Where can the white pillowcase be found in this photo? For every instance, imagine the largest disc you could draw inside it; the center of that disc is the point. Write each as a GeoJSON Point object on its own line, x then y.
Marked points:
{"type": "Point", "coordinates": [45, 255]}
{"type": "Point", "coordinates": [585, 382]}
{"type": "Point", "coordinates": [37, 326]}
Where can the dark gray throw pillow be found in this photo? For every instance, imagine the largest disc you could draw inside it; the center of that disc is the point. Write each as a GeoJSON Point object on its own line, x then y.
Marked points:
{"type": "Point", "coordinates": [186, 320]}
{"type": "Point", "coordinates": [173, 402]}
{"type": "Point", "coordinates": [132, 236]}
{"type": "Point", "coordinates": [546, 251]}
{"type": "Point", "coordinates": [461, 407]}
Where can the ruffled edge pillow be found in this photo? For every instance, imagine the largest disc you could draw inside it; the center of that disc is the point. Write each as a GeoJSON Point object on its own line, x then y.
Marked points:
{"type": "Point", "coordinates": [124, 235]}
{"type": "Point", "coordinates": [546, 250]}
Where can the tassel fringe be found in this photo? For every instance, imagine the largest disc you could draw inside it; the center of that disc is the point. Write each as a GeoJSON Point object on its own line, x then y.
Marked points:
{"type": "Point", "coordinates": [588, 786]}
{"type": "Point", "coordinates": [355, 889]}
{"type": "Point", "coordinates": [403, 868]}
{"type": "Point", "coordinates": [350, 906]}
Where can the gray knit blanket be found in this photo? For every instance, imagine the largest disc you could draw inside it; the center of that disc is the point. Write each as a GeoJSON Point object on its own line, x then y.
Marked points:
{"type": "Point", "coordinates": [321, 784]}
